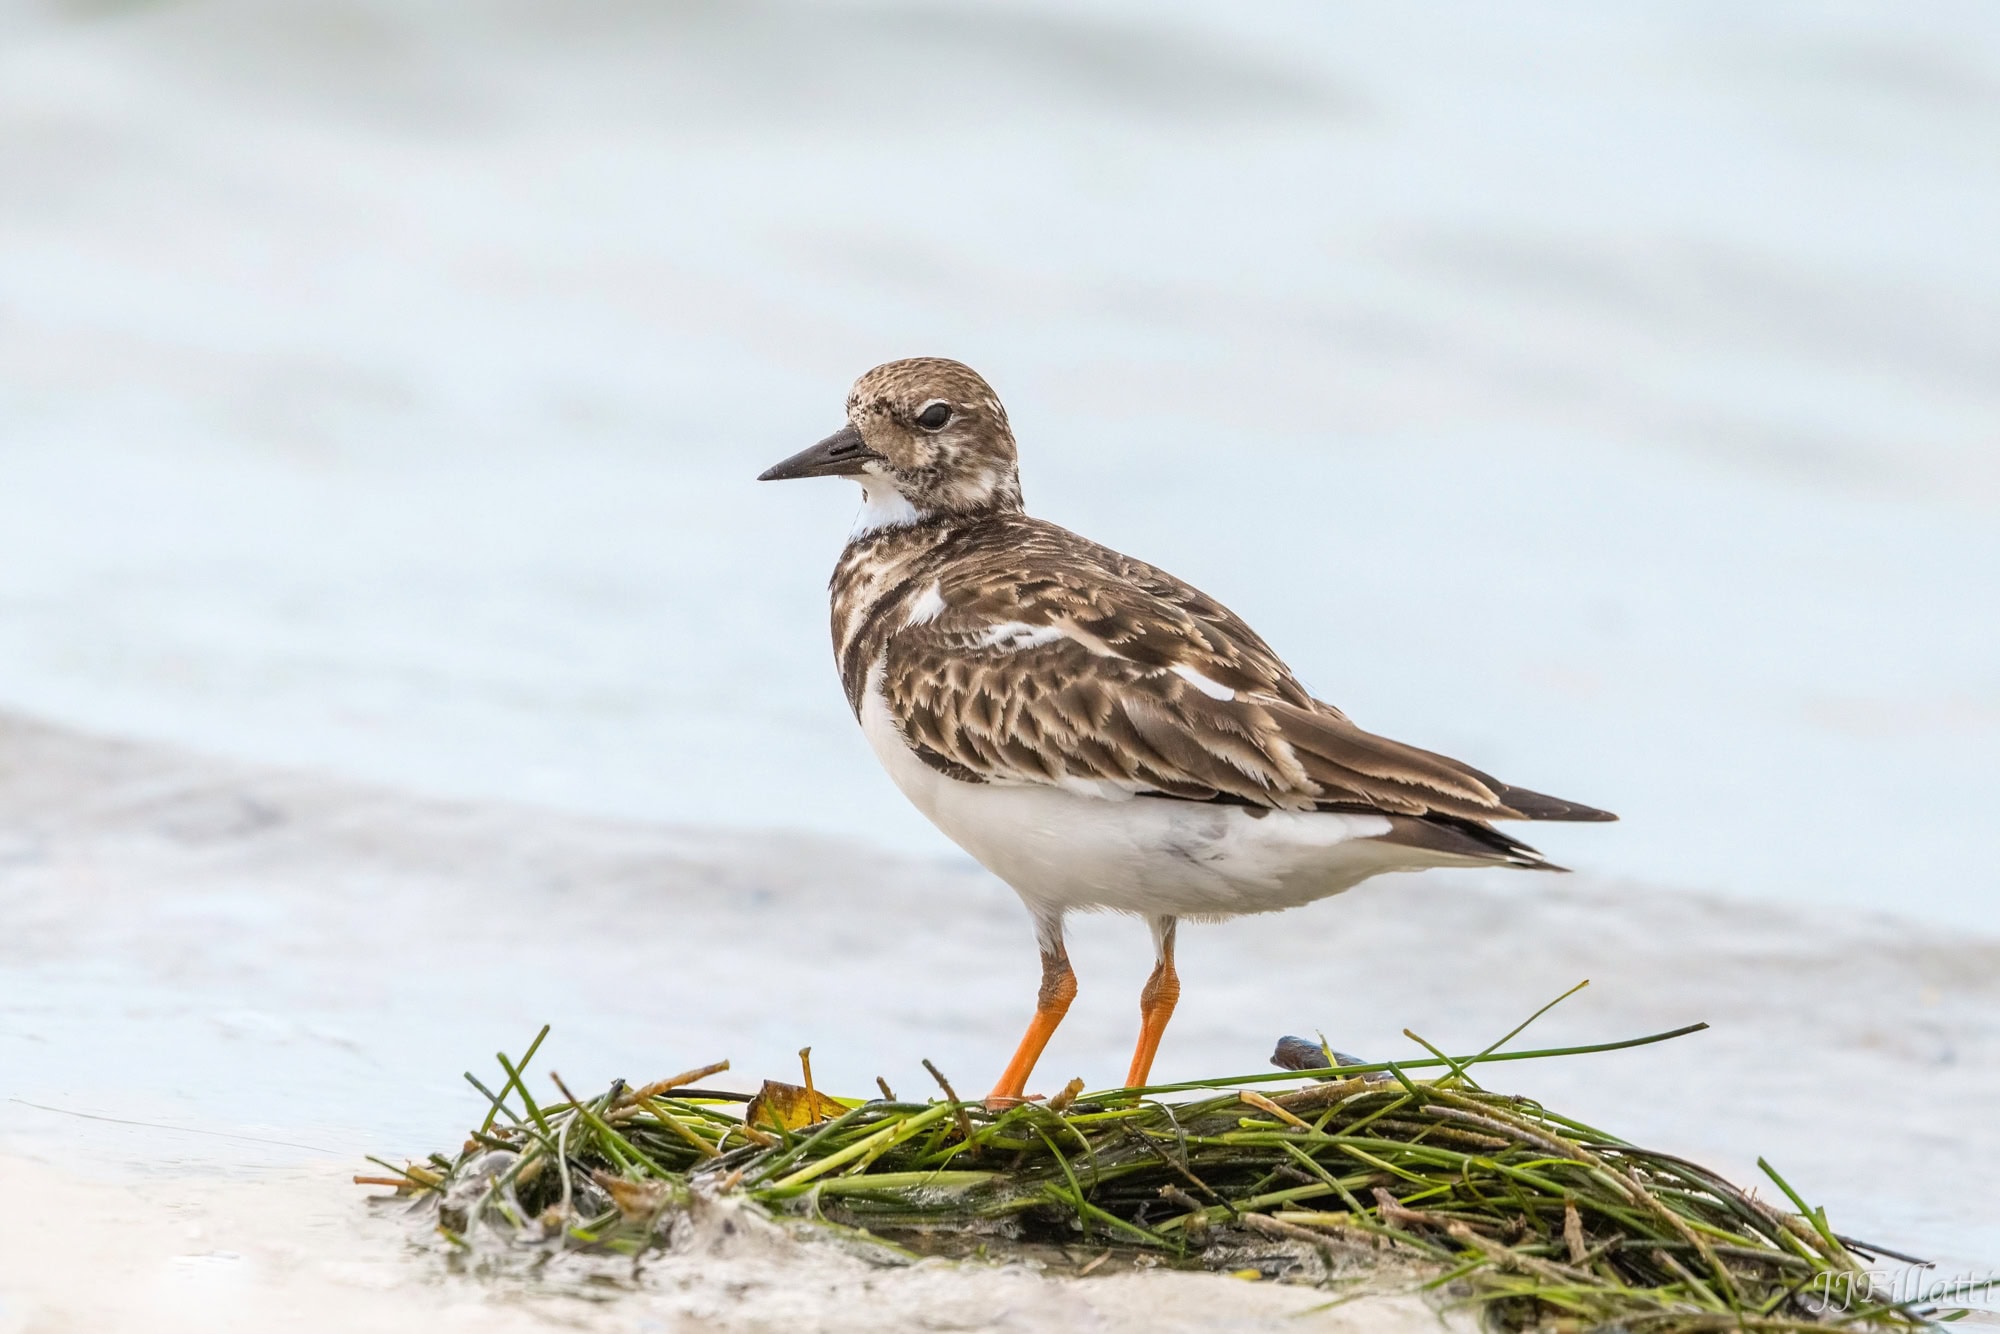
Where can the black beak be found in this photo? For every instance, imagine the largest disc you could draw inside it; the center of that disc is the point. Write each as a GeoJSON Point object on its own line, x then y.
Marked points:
{"type": "Point", "coordinates": [839, 455]}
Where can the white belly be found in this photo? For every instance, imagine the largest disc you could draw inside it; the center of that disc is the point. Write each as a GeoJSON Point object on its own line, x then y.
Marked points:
{"type": "Point", "coordinates": [1147, 855]}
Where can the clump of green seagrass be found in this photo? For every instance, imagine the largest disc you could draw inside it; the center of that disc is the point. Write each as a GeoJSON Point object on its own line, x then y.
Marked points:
{"type": "Point", "coordinates": [1500, 1203]}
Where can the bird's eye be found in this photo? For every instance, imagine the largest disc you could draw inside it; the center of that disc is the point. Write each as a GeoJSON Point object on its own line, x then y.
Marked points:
{"type": "Point", "coordinates": [934, 415]}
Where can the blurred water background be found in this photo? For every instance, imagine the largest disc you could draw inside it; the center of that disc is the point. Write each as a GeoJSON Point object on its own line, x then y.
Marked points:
{"type": "Point", "coordinates": [1608, 395]}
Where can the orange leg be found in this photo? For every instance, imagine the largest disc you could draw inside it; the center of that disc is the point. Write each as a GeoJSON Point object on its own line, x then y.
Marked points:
{"type": "Point", "coordinates": [1156, 1003]}
{"type": "Point", "coordinates": [1058, 990]}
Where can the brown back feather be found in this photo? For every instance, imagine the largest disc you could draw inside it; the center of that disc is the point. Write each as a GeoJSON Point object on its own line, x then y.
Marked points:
{"type": "Point", "coordinates": [1106, 702]}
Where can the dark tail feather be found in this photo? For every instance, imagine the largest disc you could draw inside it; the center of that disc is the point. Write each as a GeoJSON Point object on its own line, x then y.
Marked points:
{"type": "Point", "coordinates": [1539, 806]}
{"type": "Point", "coordinates": [1465, 838]}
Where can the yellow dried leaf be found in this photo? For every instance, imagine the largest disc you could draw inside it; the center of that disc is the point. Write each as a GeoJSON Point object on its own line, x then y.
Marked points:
{"type": "Point", "coordinates": [790, 1106]}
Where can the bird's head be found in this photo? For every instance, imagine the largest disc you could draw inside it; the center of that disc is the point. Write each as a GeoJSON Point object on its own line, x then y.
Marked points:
{"type": "Point", "coordinates": [925, 437]}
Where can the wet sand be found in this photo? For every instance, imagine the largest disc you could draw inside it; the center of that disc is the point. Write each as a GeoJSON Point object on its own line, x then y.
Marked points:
{"type": "Point", "coordinates": [298, 1250]}
{"type": "Point", "coordinates": [278, 973]}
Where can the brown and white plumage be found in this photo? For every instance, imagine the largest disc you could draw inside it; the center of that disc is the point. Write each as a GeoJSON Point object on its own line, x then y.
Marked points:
{"type": "Point", "coordinates": [1095, 731]}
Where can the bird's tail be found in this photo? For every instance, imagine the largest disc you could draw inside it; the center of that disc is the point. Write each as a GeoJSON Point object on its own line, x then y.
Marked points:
{"type": "Point", "coordinates": [1541, 806]}
{"type": "Point", "coordinates": [1472, 840]}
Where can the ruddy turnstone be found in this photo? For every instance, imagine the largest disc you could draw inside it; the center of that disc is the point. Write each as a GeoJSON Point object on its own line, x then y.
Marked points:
{"type": "Point", "coordinates": [1092, 730]}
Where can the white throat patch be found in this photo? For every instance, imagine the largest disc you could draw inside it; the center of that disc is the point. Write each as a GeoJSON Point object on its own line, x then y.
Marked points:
{"type": "Point", "coordinates": [882, 506]}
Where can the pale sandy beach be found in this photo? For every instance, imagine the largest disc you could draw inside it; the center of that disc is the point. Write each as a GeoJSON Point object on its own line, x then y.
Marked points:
{"type": "Point", "coordinates": [180, 1254]}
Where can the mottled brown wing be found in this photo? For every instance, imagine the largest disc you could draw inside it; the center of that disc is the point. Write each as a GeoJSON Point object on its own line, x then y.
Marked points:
{"type": "Point", "coordinates": [1076, 673]}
